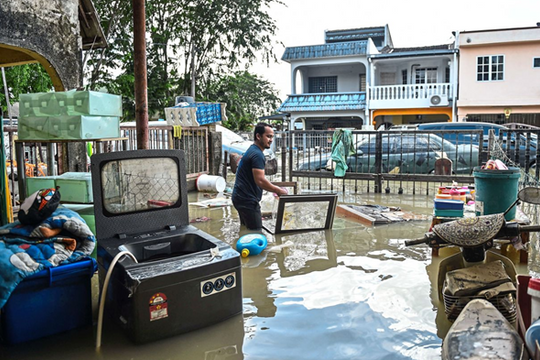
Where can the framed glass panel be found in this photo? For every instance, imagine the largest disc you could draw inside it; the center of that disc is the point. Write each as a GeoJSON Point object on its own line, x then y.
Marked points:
{"type": "Point", "coordinates": [303, 213]}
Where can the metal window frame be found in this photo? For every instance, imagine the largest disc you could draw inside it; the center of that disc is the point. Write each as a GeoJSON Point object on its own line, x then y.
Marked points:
{"type": "Point", "coordinates": [315, 82]}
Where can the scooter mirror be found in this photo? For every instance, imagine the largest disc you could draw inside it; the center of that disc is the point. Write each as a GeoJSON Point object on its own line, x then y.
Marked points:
{"type": "Point", "coordinates": [530, 195]}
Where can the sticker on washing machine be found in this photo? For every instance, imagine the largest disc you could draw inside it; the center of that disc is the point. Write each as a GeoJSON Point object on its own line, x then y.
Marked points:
{"type": "Point", "coordinates": [158, 307]}
{"type": "Point", "coordinates": [218, 284]}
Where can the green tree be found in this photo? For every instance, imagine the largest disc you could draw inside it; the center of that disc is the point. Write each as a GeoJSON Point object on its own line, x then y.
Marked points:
{"type": "Point", "coordinates": [247, 97]}
{"type": "Point", "coordinates": [22, 79]}
{"type": "Point", "coordinates": [199, 40]}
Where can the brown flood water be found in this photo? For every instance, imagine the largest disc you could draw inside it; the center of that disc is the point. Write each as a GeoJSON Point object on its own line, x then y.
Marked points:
{"type": "Point", "coordinates": [353, 292]}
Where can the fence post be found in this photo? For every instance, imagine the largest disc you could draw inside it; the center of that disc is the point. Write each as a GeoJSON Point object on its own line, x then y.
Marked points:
{"type": "Point", "coordinates": [290, 143]}
{"type": "Point", "coordinates": [378, 163]}
{"type": "Point", "coordinates": [283, 156]}
{"type": "Point", "coordinates": [214, 152]}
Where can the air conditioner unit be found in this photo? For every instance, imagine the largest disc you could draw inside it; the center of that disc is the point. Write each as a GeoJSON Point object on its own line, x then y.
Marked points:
{"type": "Point", "coordinates": [438, 100]}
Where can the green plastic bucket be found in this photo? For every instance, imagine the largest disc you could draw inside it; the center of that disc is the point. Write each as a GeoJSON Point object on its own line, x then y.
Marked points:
{"type": "Point", "coordinates": [496, 191]}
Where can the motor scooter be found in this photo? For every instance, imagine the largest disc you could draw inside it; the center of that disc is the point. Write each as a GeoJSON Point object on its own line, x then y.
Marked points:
{"type": "Point", "coordinates": [478, 285]}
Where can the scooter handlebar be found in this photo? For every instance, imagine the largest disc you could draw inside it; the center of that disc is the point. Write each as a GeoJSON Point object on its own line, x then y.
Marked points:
{"type": "Point", "coordinates": [529, 228]}
{"type": "Point", "coordinates": [419, 241]}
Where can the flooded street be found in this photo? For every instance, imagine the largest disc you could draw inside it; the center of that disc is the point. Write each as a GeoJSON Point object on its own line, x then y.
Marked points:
{"type": "Point", "coordinates": [353, 292]}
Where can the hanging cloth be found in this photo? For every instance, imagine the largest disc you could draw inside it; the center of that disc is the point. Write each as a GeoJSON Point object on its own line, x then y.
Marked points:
{"type": "Point", "coordinates": [342, 148]}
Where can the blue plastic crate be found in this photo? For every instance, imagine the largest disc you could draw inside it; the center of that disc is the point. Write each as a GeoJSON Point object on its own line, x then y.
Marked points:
{"type": "Point", "coordinates": [51, 301]}
{"type": "Point", "coordinates": [444, 204]}
{"type": "Point", "coordinates": [207, 113]}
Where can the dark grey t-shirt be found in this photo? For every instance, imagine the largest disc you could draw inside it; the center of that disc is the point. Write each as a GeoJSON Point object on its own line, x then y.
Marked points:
{"type": "Point", "coordinates": [245, 189]}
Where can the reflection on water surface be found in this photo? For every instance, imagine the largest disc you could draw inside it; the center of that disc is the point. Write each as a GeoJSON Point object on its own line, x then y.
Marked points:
{"type": "Point", "coordinates": [348, 293]}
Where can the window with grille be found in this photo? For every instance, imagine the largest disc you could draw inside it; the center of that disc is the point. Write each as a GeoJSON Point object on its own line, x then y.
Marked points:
{"type": "Point", "coordinates": [536, 62]}
{"type": "Point", "coordinates": [404, 76]}
{"type": "Point", "coordinates": [425, 76]}
{"type": "Point", "coordinates": [323, 84]}
{"type": "Point", "coordinates": [362, 82]}
{"type": "Point", "coordinates": [447, 75]}
{"type": "Point", "coordinates": [490, 68]}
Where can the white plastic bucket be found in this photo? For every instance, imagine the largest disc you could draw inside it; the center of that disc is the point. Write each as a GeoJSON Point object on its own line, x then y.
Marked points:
{"type": "Point", "coordinates": [210, 183]}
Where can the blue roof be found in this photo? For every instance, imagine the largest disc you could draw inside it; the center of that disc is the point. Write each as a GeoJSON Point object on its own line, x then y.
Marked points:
{"type": "Point", "coordinates": [326, 50]}
{"type": "Point", "coordinates": [324, 102]}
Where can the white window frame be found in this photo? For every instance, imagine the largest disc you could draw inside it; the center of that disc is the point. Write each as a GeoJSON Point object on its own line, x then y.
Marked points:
{"type": "Point", "coordinates": [425, 75]}
{"type": "Point", "coordinates": [488, 66]}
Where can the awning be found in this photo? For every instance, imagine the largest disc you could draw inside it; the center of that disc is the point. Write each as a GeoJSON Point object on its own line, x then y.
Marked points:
{"type": "Point", "coordinates": [324, 102]}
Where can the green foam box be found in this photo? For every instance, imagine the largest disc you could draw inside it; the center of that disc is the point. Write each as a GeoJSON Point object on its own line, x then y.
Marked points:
{"type": "Point", "coordinates": [75, 187]}
{"type": "Point", "coordinates": [69, 127]}
{"type": "Point", "coordinates": [34, 184]}
{"type": "Point", "coordinates": [69, 103]}
{"type": "Point", "coordinates": [35, 128]}
{"type": "Point", "coordinates": [84, 127]}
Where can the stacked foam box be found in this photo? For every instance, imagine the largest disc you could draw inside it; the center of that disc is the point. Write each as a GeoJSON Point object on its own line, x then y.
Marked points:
{"type": "Point", "coordinates": [75, 187]}
{"type": "Point", "coordinates": [448, 208]}
{"type": "Point", "coordinates": [70, 115]}
{"type": "Point", "coordinates": [195, 114]}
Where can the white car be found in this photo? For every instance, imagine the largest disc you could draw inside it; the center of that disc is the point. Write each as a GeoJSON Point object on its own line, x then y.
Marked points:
{"type": "Point", "coordinates": [233, 143]}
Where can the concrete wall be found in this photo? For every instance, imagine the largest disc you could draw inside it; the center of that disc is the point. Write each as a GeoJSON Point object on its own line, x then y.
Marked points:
{"type": "Point", "coordinates": [348, 76]}
{"type": "Point", "coordinates": [47, 29]}
{"type": "Point", "coordinates": [520, 84]}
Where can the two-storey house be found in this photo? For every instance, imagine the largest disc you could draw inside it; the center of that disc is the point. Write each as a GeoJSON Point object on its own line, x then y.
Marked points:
{"type": "Point", "coordinates": [412, 85]}
{"type": "Point", "coordinates": [329, 81]}
{"type": "Point", "coordinates": [499, 76]}
{"type": "Point", "coordinates": [357, 79]}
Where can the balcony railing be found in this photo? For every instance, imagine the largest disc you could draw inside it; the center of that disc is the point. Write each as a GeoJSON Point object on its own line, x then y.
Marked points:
{"type": "Point", "coordinates": [409, 96]}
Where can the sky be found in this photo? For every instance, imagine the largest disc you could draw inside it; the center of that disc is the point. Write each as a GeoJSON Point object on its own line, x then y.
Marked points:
{"type": "Point", "coordinates": [411, 23]}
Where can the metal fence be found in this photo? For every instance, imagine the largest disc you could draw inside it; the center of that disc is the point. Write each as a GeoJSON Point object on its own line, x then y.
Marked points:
{"type": "Point", "coordinates": [193, 140]}
{"type": "Point", "coordinates": [403, 161]}
{"type": "Point", "coordinates": [41, 158]}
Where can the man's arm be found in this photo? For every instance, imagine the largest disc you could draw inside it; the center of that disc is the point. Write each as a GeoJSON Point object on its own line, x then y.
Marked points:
{"type": "Point", "coordinates": [263, 183]}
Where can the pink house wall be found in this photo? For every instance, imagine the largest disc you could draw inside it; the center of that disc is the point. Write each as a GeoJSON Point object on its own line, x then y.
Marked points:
{"type": "Point", "coordinates": [521, 84]}
{"type": "Point", "coordinates": [519, 91]}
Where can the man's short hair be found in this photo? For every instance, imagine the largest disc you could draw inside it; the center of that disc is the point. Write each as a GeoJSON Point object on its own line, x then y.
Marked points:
{"type": "Point", "coordinates": [260, 128]}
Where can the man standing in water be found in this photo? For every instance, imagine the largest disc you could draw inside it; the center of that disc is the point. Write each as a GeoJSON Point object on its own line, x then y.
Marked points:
{"type": "Point", "coordinates": [250, 180]}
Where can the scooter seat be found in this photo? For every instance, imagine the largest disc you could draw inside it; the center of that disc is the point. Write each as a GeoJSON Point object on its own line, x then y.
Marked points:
{"type": "Point", "coordinates": [470, 232]}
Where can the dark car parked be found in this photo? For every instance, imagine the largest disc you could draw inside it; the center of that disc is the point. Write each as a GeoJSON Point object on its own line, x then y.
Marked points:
{"type": "Point", "coordinates": [407, 153]}
{"type": "Point", "coordinates": [457, 132]}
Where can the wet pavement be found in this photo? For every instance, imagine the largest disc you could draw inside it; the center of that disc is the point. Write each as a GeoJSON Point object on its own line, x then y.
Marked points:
{"type": "Point", "coordinates": [353, 292]}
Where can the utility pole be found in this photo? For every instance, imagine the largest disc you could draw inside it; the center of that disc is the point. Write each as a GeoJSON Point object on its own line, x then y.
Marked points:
{"type": "Point", "coordinates": [141, 86]}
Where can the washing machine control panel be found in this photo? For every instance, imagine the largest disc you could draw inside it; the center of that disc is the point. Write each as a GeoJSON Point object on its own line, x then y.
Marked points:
{"type": "Point", "coordinates": [218, 284]}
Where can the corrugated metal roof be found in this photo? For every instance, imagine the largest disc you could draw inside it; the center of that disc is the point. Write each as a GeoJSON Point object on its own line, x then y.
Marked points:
{"type": "Point", "coordinates": [418, 48]}
{"type": "Point", "coordinates": [333, 36]}
{"type": "Point", "coordinates": [326, 50]}
{"type": "Point", "coordinates": [414, 53]}
{"type": "Point", "coordinates": [324, 102]}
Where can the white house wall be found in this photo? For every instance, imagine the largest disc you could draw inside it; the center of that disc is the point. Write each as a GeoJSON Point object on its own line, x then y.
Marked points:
{"type": "Point", "coordinates": [346, 69]}
{"type": "Point", "coordinates": [441, 64]}
{"type": "Point", "coordinates": [348, 76]}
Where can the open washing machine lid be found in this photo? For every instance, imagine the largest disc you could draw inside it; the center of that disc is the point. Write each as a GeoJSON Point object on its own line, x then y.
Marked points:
{"type": "Point", "coordinates": [135, 191]}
